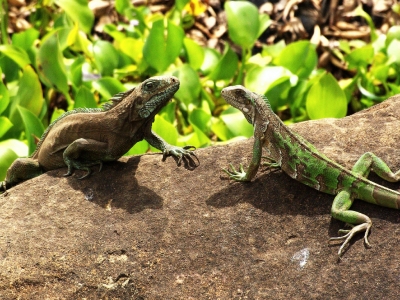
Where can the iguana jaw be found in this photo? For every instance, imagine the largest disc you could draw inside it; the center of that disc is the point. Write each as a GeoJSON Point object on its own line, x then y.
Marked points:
{"type": "Point", "coordinates": [168, 85]}
{"type": "Point", "coordinates": [240, 98]}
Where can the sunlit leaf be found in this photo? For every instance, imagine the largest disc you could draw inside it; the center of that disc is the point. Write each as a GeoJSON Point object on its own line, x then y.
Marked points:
{"type": "Point", "coordinates": [190, 86]}
{"type": "Point", "coordinates": [165, 130]}
{"type": "Point", "coordinates": [84, 98]}
{"type": "Point", "coordinates": [299, 57]}
{"type": "Point", "coordinates": [30, 91]}
{"type": "Point", "coordinates": [5, 125]}
{"type": "Point", "coordinates": [163, 44]}
{"type": "Point", "coordinates": [360, 57]}
{"type": "Point", "coordinates": [237, 123]}
{"type": "Point", "coordinates": [4, 97]}
{"type": "Point", "coordinates": [52, 65]}
{"type": "Point", "coordinates": [108, 87]}
{"type": "Point", "coordinates": [226, 67]}
{"type": "Point", "coordinates": [106, 57]}
{"type": "Point", "coordinates": [195, 53]}
{"type": "Point", "coordinates": [243, 22]}
{"type": "Point", "coordinates": [33, 127]}
{"type": "Point", "coordinates": [326, 99]}
{"type": "Point", "coordinates": [7, 157]}
{"type": "Point", "coordinates": [78, 10]}
{"type": "Point", "coordinates": [16, 54]}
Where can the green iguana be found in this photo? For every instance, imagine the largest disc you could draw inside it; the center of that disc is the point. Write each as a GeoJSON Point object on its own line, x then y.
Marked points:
{"type": "Point", "coordinates": [303, 162]}
{"type": "Point", "coordinates": [85, 137]}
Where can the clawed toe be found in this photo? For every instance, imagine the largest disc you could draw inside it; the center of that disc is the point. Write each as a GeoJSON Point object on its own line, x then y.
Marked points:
{"type": "Point", "coordinates": [350, 233]}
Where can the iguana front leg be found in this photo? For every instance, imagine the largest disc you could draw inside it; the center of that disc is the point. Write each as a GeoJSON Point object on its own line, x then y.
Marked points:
{"type": "Point", "coordinates": [343, 201]}
{"type": "Point", "coordinates": [248, 175]}
{"type": "Point", "coordinates": [167, 149]}
{"type": "Point", "coordinates": [73, 155]}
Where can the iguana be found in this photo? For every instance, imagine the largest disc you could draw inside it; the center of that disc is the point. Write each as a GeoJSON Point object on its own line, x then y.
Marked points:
{"type": "Point", "coordinates": [85, 137]}
{"type": "Point", "coordinates": [302, 161]}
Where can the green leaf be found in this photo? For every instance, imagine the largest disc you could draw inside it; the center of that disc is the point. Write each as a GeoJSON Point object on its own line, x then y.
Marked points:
{"type": "Point", "coordinates": [165, 130]}
{"type": "Point", "coordinates": [195, 53]}
{"type": "Point", "coordinates": [133, 48]}
{"type": "Point", "coordinates": [106, 57]}
{"type": "Point", "coordinates": [226, 67]}
{"type": "Point", "coordinates": [16, 54]}
{"type": "Point", "coordinates": [5, 125]}
{"type": "Point", "coordinates": [190, 86]}
{"type": "Point", "coordinates": [52, 65]}
{"type": "Point", "coordinates": [259, 79]}
{"type": "Point", "coordinates": [79, 12]}
{"type": "Point", "coordinates": [393, 34]}
{"type": "Point", "coordinates": [201, 119]}
{"type": "Point", "coordinates": [139, 148]}
{"type": "Point", "coordinates": [210, 61]}
{"type": "Point", "coordinates": [163, 44]}
{"type": "Point", "coordinates": [30, 95]}
{"type": "Point", "coordinates": [7, 157]}
{"type": "Point", "coordinates": [33, 127]}
{"type": "Point", "coordinates": [84, 98]}
{"type": "Point", "coordinates": [25, 39]}
{"type": "Point", "coordinates": [243, 22]}
{"type": "Point", "coordinates": [326, 99]}
{"type": "Point", "coordinates": [121, 5]}
{"type": "Point", "coordinates": [4, 97]}
{"type": "Point", "coordinates": [360, 57]}
{"type": "Point", "coordinates": [180, 4]}
{"type": "Point", "coordinates": [299, 57]}
{"type": "Point", "coordinates": [393, 51]}
{"type": "Point", "coordinates": [237, 123]}
{"type": "Point", "coordinates": [108, 87]}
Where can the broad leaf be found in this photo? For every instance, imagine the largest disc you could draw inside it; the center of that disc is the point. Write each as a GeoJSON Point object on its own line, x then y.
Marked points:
{"type": "Point", "coordinates": [326, 99]}
{"type": "Point", "coordinates": [79, 11]}
{"type": "Point", "coordinates": [299, 57]}
{"type": "Point", "coordinates": [163, 44]}
{"type": "Point", "coordinates": [243, 22]}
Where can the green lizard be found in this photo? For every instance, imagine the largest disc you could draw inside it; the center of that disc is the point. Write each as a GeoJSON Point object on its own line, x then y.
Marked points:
{"type": "Point", "coordinates": [85, 137]}
{"type": "Point", "coordinates": [303, 162]}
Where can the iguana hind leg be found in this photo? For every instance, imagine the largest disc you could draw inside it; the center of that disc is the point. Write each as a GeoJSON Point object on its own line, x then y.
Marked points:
{"type": "Point", "coordinates": [21, 169]}
{"type": "Point", "coordinates": [82, 154]}
{"type": "Point", "coordinates": [340, 207]}
{"type": "Point", "coordinates": [358, 221]}
{"type": "Point", "coordinates": [369, 161]}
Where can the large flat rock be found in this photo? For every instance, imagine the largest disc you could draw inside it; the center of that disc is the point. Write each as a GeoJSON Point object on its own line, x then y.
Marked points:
{"type": "Point", "coordinates": [147, 229]}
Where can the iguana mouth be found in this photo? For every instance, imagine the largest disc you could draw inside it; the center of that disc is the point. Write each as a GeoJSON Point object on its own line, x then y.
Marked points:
{"type": "Point", "coordinates": [158, 101]}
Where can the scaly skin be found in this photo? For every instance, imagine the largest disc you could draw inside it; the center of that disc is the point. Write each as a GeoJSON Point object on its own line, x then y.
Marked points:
{"type": "Point", "coordinates": [82, 138]}
{"type": "Point", "coordinates": [303, 162]}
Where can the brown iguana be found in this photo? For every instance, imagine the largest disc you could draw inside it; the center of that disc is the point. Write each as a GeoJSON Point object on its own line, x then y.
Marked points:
{"type": "Point", "coordinates": [85, 137]}
{"type": "Point", "coordinates": [302, 161]}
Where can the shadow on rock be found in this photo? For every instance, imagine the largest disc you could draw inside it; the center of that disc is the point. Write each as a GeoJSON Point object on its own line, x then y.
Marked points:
{"type": "Point", "coordinates": [114, 190]}
{"type": "Point", "coordinates": [275, 193]}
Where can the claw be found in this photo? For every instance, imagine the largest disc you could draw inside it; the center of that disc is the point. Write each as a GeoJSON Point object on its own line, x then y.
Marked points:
{"type": "Point", "coordinates": [350, 233]}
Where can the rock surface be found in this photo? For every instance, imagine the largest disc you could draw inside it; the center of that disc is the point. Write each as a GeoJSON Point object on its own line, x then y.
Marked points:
{"type": "Point", "coordinates": [147, 229]}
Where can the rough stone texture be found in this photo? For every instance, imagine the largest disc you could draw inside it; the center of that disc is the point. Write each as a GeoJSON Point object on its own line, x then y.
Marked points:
{"type": "Point", "coordinates": [147, 229]}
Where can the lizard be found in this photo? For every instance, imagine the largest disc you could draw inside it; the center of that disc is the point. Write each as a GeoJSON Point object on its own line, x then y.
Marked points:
{"type": "Point", "coordinates": [85, 137]}
{"type": "Point", "coordinates": [302, 161]}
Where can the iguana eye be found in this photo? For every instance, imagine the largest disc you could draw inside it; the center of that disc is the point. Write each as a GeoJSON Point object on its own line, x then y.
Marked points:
{"type": "Point", "coordinates": [148, 86]}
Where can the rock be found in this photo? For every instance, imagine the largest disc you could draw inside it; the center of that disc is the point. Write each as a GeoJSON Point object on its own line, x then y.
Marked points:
{"type": "Point", "coordinates": [147, 229]}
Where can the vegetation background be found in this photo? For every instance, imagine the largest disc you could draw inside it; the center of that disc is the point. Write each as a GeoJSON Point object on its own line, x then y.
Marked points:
{"type": "Point", "coordinates": [313, 59]}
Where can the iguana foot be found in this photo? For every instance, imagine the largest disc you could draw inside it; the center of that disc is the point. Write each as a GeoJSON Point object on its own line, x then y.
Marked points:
{"type": "Point", "coordinates": [350, 233]}
{"type": "Point", "coordinates": [271, 163]}
{"type": "Point", "coordinates": [73, 164]}
{"type": "Point", "coordinates": [181, 153]}
{"type": "Point", "coordinates": [240, 175]}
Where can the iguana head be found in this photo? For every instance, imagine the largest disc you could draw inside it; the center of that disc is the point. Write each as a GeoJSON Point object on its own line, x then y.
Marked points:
{"type": "Point", "coordinates": [242, 99]}
{"type": "Point", "coordinates": [146, 100]}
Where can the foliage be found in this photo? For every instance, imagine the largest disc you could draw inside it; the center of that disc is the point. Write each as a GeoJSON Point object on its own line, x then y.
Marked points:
{"type": "Point", "coordinates": [59, 60]}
